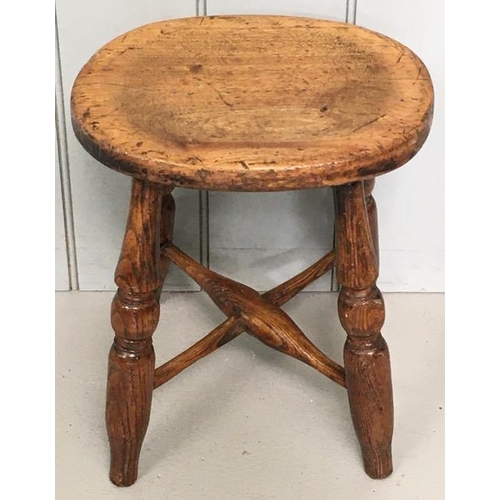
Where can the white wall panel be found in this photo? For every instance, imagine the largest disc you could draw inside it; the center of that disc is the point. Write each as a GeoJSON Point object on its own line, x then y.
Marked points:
{"type": "Point", "coordinates": [100, 196]}
{"type": "Point", "coordinates": [61, 261]}
{"type": "Point", "coordinates": [411, 199]}
{"type": "Point", "coordinates": [264, 238]}
{"type": "Point", "coordinates": [328, 9]}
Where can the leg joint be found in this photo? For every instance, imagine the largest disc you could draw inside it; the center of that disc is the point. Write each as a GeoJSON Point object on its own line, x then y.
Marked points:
{"type": "Point", "coordinates": [132, 348]}
{"type": "Point", "coordinates": [362, 313]}
{"type": "Point", "coordinates": [134, 317]}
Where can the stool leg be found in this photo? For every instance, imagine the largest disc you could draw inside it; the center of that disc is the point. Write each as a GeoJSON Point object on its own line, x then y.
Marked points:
{"type": "Point", "coordinates": [134, 317]}
{"type": "Point", "coordinates": [371, 208]}
{"type": "Point", "coordinates": [362, 313]}
{"type": "Point", "coordinates": [166, 228]}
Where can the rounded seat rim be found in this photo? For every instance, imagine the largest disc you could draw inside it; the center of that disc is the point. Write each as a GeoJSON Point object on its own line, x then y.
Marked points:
{"type": "Point", "coordinates": [264, 176]}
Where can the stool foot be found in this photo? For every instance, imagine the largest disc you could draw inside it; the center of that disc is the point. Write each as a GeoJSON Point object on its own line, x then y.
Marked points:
{"type": "Point", "coordinates": [362, 314]}
{"type": "Point", "coordinates": [134, 316]}
{"type": "Point", "coordinates": [368, 381]}
{"type": "Point", "coordinates": [129, 395]}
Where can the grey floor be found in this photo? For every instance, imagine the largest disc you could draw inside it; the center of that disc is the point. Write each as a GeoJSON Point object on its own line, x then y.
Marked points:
{"type": "Point", "coordinates": [247, 422]}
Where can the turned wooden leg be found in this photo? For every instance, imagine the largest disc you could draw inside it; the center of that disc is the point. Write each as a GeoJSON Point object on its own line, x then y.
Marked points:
{"type": "Point", "coordinates": [361, 311]}
{"type": "Point", "coordinates": [166, 227]}
{"type": "Point", "coordinates": [134, 316]}
{"type": "Point", "coordinates": [371, 209]}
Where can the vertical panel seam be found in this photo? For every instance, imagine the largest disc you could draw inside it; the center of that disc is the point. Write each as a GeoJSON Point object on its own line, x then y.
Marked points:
{"type": "Point", "coordinates": [201, 7]}
{"type": "Point", "coordinates": [351, 11]}
{"type": "Point", "coordinates": [62, 146]}
{"type": "Point", "coordinates": [201, 10]}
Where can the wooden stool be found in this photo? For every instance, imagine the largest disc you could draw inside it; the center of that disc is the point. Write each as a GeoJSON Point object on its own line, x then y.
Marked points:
{"type": "Point", "coordinates": [250, 103]}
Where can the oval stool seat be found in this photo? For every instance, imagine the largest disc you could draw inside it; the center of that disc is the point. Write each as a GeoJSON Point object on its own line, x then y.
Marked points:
{"type": "Point", "coordinates": [249, 103]}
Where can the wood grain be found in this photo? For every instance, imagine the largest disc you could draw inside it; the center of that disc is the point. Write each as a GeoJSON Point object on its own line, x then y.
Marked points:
{"type": "Point", "coordinates": [134, 316]}
{"type": "Point", "coordinates": [362, 314]}
{"type": "Point", "coordinates": [261, 318]}
{"type": "Point", "coordinates": [233, 326]}
{"type": "Point", "coordinates": [249, 103]}
{"type": "Point", "coordinates": [166, 230]}
{"type": "Point", "coordinates": [371, 209]}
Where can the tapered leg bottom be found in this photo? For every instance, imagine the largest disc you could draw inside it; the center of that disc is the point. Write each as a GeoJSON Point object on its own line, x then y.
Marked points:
{"type": "Point", "coordinates": [129, 395]}
{"type": "Point", "coordinates": [369, 389]}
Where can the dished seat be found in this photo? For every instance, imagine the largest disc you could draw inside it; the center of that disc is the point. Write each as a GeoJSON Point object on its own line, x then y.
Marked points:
{"type": "Point", "coordinates": [249, 103]}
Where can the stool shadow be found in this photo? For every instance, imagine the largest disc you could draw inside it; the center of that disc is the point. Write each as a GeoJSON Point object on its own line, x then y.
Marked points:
{"type": "Point", "coordinates": [179, 429]}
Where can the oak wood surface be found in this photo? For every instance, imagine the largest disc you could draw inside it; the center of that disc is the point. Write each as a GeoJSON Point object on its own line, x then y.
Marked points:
{"type": "Point", "coordinates": [135, 313]}
{"type": "Point", "coordinates": [234, 326]}
{"type": "Point", "coordinates": [260, 317]}
{"type": "Point", "coordinates": [252, 103]}
{"type": "Point", "coordinates": [362, 313]}
{"type": "Point", "coordinates": [166, 230]}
